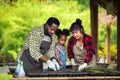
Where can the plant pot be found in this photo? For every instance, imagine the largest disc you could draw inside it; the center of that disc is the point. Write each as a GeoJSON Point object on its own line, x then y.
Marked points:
{"type": "Point", "coordinates": [102, 65]}
{"type": "Point", "coordinates": [75, 68]}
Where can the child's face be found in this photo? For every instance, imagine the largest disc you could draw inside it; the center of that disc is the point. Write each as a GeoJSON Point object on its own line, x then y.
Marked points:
{"type": "Point", "coordinates": [62, 39]}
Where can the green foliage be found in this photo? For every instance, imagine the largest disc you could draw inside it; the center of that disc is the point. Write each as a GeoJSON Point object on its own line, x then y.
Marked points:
{"type": "Point", "coordinates": [18, 18]}
{"type": "Point", "coordinates": [113, 40]}
{"type": "Point", "coordinates": [113, 51]}
{"type": "Point", "coordinates": [5, 76]}
{"type": "Point", "coordinates": [113, 35]}
{"type": "Point", "coordinates": [102, 34]}
{"type": "Point", "coordinates": [102, 51]}
{"type": "Point", "coordinates": [84, 4]}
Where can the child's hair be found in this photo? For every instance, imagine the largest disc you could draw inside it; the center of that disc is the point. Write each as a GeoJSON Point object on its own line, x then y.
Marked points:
{"type": "Point", "coordinates": [62, 32]}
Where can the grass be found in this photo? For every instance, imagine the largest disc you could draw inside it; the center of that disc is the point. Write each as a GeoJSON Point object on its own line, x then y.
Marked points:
{"type": "Point", "coordinates": [5, 76]}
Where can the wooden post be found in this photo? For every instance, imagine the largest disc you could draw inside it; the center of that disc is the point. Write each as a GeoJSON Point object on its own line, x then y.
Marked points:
{"type": "Point", "coordinates": [118, 35]}
{"type": "Point", "coordinates": [108, 44]}
{"type": "Point", "coordinates": [94, 24]}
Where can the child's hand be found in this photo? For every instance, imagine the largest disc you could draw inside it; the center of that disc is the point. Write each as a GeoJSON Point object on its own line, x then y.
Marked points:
{"type": "Point", "coordinates": [60, 63]}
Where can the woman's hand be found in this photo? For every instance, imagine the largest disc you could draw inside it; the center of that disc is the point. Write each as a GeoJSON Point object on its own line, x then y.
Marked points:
{"type": "Point", "coordinates": [73, 61]}
{"type": "Point", "coordinates": [83, 66]}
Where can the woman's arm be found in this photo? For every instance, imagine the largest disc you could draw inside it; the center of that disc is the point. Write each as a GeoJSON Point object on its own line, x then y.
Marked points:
{"type": "Point", "coordinates": [70, 48]}
{"type": "Point", "coordinates": [90, 50]}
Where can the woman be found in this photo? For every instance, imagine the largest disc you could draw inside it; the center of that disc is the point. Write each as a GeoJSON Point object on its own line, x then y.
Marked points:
{"type": "Point", "coordinates": [80, 47]}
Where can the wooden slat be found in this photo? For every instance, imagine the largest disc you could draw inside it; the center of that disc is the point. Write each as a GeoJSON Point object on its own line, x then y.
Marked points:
{"type": "Point", "coordinates": [104, 3]}
{"type": "Point", "coordinates": [94, 24]}
{"type": "Point", "coordinates": [69, 78]}
{"type": "Point", "coordinates": [118, 35]}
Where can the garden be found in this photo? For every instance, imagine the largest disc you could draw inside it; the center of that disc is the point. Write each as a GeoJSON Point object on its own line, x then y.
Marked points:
{"type": "Point", "coordinates": [18, 17]}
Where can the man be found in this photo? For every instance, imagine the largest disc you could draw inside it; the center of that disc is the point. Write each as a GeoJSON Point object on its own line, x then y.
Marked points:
{"type": "Point", "coordinates": [39, 46]}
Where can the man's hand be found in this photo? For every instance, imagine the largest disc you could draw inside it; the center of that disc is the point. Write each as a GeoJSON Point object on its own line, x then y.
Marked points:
{"type": "Point", "coordinates": [45, 66]}
{"type": "Point", "coordinates": [56, 64]}
{"type": "Point", "coordinates": [83, 66]}
{"type": "Point", "coordinates": [51, 65]}
{"type": "Point", "coordinates": [73, 61]}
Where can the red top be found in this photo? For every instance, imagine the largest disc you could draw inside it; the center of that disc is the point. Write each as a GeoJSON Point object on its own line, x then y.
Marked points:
{"type": "Point", "coordinates": [87, 44]}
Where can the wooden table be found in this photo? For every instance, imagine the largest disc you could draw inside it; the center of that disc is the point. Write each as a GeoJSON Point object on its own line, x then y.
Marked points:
{"type": "Point", "coordinates": [80, 77]}
{"type": "Point", "coordinates": [68, 78]}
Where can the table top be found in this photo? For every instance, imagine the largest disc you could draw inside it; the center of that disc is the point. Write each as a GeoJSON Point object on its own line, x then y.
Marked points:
{"type": "Point", "coordinates": [66, 78]}
{"type": "Point", "coordinates": [68, 74]}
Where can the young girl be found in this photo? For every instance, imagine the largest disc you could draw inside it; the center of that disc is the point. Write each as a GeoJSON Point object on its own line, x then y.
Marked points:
{"type": "Point", "coordinates": [60, 50]}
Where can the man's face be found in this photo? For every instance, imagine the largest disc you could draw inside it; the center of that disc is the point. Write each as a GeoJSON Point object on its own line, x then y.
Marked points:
{"type": "Point", "coordinates": [51, 29]}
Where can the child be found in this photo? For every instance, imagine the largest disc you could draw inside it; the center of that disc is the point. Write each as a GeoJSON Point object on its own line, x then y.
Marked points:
{"type": "Point", "coordinates": [60, 50]}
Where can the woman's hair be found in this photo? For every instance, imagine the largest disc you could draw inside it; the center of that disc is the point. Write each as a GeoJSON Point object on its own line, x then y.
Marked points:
{"type": "Point", "coordinates": [62, 32]}
{"type": "Point", "coordinates": [77, 25]}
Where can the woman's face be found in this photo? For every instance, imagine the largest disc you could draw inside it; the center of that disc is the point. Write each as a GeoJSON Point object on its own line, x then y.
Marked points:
{"type": "Point", "coordinates": [77, 34]}
{"type": "Point", "coordinates": [62, 39]}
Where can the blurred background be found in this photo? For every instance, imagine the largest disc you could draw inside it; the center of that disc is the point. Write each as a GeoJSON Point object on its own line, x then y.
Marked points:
{"type": "Point", "coordinates": [18, 17]}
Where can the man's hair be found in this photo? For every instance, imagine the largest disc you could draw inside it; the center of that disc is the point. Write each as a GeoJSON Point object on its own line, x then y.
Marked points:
{"type": "Point", "coordinates": [52, 20]}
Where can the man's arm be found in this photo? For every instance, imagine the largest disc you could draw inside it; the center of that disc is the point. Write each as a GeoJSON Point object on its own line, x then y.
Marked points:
{"type": "Point", "coordinates": [35, 39]}
{"type": "Point", "coordinates": [43, 59]}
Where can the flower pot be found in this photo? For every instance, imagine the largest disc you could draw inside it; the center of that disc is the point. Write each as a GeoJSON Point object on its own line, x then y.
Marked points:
{"type": "Point", "coordinates": [102, 65]}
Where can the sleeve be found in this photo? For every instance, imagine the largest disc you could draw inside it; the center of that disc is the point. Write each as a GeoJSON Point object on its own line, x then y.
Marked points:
{"type": "Point", "coordinates": [34, 44]}
{"type": "Point", "coordinates": [69, 49]}
{"type": "Point", "coordinates": [90, 50]}
{"type": "Point", "coordinates": [57, 54]}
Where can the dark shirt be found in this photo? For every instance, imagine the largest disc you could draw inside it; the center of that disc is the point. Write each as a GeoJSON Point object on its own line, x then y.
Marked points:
{"type": "Point", "coordinates": [87, 44]}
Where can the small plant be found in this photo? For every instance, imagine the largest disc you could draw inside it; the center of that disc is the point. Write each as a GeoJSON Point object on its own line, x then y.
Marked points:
{"type": "Point", "coordinates": [113, 51]}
